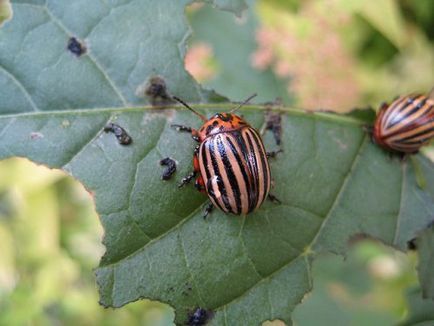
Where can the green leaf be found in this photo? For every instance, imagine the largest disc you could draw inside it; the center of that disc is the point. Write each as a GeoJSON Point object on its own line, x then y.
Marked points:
{"type": "Point", "coordinates": [333, 183]}
{"type": "Point", "coordinates": [233, 42]}
{"type": "Point", "coordinates": [421, 311]}
{"type": "Point", "coordinates": [5, 11]}
{"type": "Point", "coordinates": [425, 249]}
{"type": "Point", "coordinates": [383, 15]}
{"type": "Point", "coordinates": [119, 60]}
{"type": "Point", "coordinates": [235, 6]}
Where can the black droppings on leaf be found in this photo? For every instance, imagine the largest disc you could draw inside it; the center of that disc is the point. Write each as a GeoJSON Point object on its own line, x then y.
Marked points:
{"type": "Point", "coordinates": [120, 133]}
{"type": "Point", "coordinates": [156, 91]}
{"type": "Point", "coordinates": [199, 317]}
{"type": "Point", "coordinates": [273, 122]}
{"type": "Point", "coordinates": [170, 168]}
{"type": "Point", "coordinates": [76, 47]}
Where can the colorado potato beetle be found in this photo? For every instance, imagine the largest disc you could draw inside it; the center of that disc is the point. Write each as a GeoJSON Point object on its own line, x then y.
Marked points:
{"type": "Point", "coordinates": [230, 161]}
{"type": "Point", "coordinates": [406, 124]}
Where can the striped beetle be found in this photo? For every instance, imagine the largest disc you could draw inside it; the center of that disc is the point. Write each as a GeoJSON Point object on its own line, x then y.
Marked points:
{"type": "Point", "coordinates": [406, 124]}
{"type": "Point", "coordinates": [231, 162]}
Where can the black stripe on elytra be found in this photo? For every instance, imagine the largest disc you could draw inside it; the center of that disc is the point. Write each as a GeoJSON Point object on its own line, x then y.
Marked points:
{"type": "Point", "coordinates": [243, 172]}
{"type": "Point", "coordinates": [253, 161]}
{"type": "Point", "coordinates": [222, 189]}
{"type": "Point", "coordinates": [245, 150]}
{"type": "Point", "coordinates": [209, 188]}
{"type": "Point", "coordinates": [205, 159]}
{"type": "Point", "coordinates": [414, 125]}
{"type": "Point", "coordinates": [408, 139]}
{"type": "Point", "coordinates": [426, 118]}
{"type": "Point", "coordinates": [401, 103]}
{"type": "Point", "coordinates": [241, 142]}
{"type": "Point", "coordinates": [263, 162]}
{"type": "Point", "coordinates": [230, 173]}
{"type": "Point", "coordinates": [398, 108]}
{"type": "Point", "coordinates": [407, 115]}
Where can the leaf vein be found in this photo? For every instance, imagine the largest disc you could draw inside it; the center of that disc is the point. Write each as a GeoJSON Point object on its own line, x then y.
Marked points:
{"type": "Point", "coordinates": [187, 265]}
{"type": "Point", "coordinates": [134, 181]}
{"type": "Point", "coordinates": [21, 87]}
{"type": "Point", "coordinates": [398, 217]}
{"type": "Point", "coordinates": [243, 245]}
{"type": "Point", "coordinates": [341, 189]}
{"type": "Point", "coordinates": [87, 143]}
{"type": "Point", "coordinates": [283, 239]}
{"type": "Point", "coordinates": [11, 121]}
{"type": "Point", "coordinates": [355, 160]}
{"type": "Point", "coordinates": [91, 57]}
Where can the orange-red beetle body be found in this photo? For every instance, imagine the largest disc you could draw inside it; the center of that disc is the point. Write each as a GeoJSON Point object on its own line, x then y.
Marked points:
{"type": "Point", "coordinates": [231, 163]}
{"type": "Point", "coordinates": [406, 124]}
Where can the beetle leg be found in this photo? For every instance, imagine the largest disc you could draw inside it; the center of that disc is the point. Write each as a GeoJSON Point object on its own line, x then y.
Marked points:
{"type": "Point", "coordinates": [190, 176]}
{"type": "Point", "coordinates": [274, 153]}
{"type": "Point", "coordinates": [208, 209]}
{"type": "Point", "coordinates": [187, 179]}
{"type": "Point", "coordinates": [195, 136]}
{"type": "Point", "coordinates": [182, 128]}
{"type": "Point", "coordinates": [274, 198]}
{"type": "Point", "coordinates": [199, 184]}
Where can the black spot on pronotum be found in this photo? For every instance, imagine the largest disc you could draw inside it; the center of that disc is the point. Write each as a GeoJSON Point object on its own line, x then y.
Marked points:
{"type": "Point", "coordinates": [76, 47]}
{"type": "Point", "coordinates": [170, 168]}
{"type": "Point", "coordinates": [224, 117]}
{"type": "Point", "coordinates": [119, 132]}
{"type": "Point", "coordinates": [156, 91]}
{"type": "Point", "coordinates": [208, 129]}
{"type": "Point", "coordinates": [199, 317]}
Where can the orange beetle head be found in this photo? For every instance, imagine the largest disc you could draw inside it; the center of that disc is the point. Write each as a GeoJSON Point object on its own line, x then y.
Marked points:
{"type": "Point", "coordinates": [221, 122]}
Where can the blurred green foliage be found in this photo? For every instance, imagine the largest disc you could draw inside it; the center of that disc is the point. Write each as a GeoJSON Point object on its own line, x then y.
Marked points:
{"type": "Point", "coordinates": [50, 236]}
{"type": "Point", "coordinates": [50, 240]}
{"type": "Point", "coordinates": [336, 54]}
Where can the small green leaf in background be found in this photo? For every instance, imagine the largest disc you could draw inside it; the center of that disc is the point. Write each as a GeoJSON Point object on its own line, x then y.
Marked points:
{"type": "Point", "coordinates": [332, 181]}
{"type": "Point", "coordinates": [367, 288]}
{"type": "Point", "coordinates": [234, 6]}
{"type": "Point", "coordinates": [50, 244]}
{"type": "Point", "coordinates": [5, 11]}
{"type": "Point", "coordinates": [425, 248]}
{"type": "Point", "coordinates": [421, 311]}
{"type": "Point", "coordinates": [232, 41]}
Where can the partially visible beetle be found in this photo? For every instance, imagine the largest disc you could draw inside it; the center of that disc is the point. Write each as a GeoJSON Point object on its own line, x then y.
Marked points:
{"type": "Point", "coordinates": [406, 124]}
{"type": "Point", "coordinates": [231, 162]}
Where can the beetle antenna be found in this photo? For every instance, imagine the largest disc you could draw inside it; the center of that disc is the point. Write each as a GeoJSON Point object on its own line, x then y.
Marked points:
{"type": "Point", "coordinates": [190, 108]}
{"type": "Point", "coordinates": [243, 103]}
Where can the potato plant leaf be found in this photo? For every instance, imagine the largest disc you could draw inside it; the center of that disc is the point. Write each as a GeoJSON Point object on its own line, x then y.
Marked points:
{"type": "Point", "coordinates": [57, 95]}
{"type": "Point", "coordinates": [421, 311]}
{"type": "Point", "coordinates": [425, 248]}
